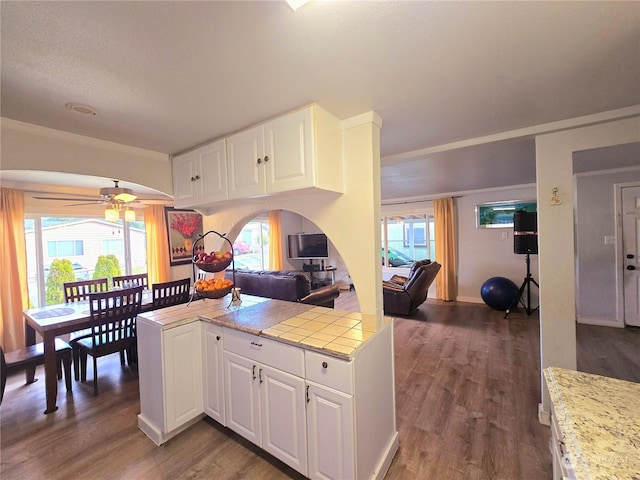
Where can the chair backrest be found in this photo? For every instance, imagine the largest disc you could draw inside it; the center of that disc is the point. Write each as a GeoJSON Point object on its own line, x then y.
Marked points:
{"type": "Point", "coordinates": [141, 279]}
{"type": "Point", "coordinates": [79, 291]}
{"type": "Point", "coordinates": [171, 293]}
{"type": "Point", "coordinates": [113, 318]}
{"type": "Point", "coordinates": [418, 285]}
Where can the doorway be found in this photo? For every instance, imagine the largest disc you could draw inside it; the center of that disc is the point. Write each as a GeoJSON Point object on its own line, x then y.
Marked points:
{"type": "Point", "coordinates": [630, 224]}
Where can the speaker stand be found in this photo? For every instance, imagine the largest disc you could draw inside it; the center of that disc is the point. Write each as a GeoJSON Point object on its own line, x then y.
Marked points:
{"type": "Point", "coordinates": [528, 280]}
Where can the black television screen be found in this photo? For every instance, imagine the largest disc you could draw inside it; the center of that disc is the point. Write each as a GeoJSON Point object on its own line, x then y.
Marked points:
{"type": "Point", "coordinates": [308, 245]}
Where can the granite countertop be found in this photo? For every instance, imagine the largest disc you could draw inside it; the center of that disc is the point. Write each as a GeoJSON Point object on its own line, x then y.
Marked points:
{"type": "Point", "coordinates": [599, 420]}
{"type": "Point", "coordinates": [326, 330]}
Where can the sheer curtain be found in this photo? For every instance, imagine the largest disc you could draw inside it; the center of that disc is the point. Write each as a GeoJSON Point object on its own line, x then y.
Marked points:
{"type": "Point", "coordinates": [14, 295]}
{"type": "Point", "coordinates": [275, 241]}
{"type": "Point", "coordinates": [158, 263]}
{"type": "Point", "coordinates": [446, 282]}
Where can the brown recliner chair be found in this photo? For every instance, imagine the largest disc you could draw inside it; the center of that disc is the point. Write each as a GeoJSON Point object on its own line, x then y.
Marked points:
{"type": "Point", "coordinates": [404, 295]}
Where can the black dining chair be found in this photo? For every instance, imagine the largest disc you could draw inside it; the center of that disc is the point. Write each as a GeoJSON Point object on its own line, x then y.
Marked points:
{"type": "Point", "coordinates": [32, 356]}
{"type": "Point", "coordinates": [77, 292]}
{"type": "Point", "coordinates": [140, 279]}
{"type": "Point", "coordinates": [113, 328]}
{"type": "Point", "coordinates": [170, 293]}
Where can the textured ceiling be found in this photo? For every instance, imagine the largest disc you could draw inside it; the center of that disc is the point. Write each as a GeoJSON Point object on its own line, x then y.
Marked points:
{"type": "Point", "coordinates": [166, 76]}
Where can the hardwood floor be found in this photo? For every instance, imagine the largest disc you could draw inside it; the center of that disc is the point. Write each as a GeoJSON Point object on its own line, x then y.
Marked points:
{"type": "Point", "coordinates": [467, 390]}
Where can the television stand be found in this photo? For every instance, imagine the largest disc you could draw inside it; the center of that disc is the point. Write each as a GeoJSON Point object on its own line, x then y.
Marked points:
{"type": "Point", "coordinates": [314, 269]}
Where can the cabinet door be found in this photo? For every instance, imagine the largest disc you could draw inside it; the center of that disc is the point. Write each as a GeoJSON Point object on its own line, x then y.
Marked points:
{"type": "Point", "coordinates": [183, 374]}
{"type": "Point", "coordinates": [289, 146]}
{"type": "Point", "coordinates": [213, 373]}
{"type": "Point", "coordinates": [245, 163]}
{"type": "Point", "coordinates": [330, 433]}
{"type": "Point", "coordinates": [184, 180]}
{"type": "Point", "coordinates": [212, 163]}
{"type": "Point", "coordinates": [242, 396]}
{"type": "Point", "coordinates": [283, 416]}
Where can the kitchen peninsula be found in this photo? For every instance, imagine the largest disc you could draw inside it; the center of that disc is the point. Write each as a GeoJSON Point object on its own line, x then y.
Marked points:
{"type": "Point", "coordinates": [595, 426]}
{"type": "Point", "coordinates": [312, 386]}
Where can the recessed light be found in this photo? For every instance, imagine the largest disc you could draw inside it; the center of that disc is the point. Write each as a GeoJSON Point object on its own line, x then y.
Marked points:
{"type": "Point", "coordinates": [80, 108]}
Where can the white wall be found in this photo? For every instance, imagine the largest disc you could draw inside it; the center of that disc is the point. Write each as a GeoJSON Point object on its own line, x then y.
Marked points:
{"type": "Point", "coordinates": [484, 253]}
{"type": "Point", "coordinates": [596, 268]}
{"type": "Point", "coordinates": [554, 170]}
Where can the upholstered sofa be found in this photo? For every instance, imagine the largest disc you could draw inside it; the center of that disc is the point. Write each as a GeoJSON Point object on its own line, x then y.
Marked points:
{"type": "Point", "coordinates": [403, 295]}
{"type": "Point", "coordinates": [292, 286]}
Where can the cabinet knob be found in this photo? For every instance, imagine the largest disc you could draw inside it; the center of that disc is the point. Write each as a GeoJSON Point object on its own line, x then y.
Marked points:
{"type": "Point", "coordinates": [324, 365]}
{"type": "Point", "coordinates": [197, 177]}
{"type": "Point", "coordinates": [259, 161]}
{"type": "Point", "coordinates": [631, 267]}
{"type": "Point", "coordinates": [630, 255]}
{"type": "Point", "coordinates": [218, 337]}
{"type": "Point", "coordinates": [266, 158]}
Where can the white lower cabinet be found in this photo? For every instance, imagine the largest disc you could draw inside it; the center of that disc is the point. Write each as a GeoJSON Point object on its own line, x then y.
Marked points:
{"type": "Point", "coordinates": [264, 404]}
{"type": "Point", "coordinates": [325, 417]}
{"type": "Point", "coordinates": [213, 373]}
{"type": "Point", "coordinates": [170, 376]}
{"type": "Point", "coordinates": [330, 433]}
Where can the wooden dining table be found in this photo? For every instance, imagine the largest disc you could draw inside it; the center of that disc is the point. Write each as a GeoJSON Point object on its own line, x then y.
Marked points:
{"type": "Point", "coordinates": [55, 320]}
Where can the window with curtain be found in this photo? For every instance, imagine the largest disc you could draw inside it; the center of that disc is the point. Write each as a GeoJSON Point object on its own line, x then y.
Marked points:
{"type": "Point", "coordinates": [251, 247]}
{"type": "Point", "coordinates": [82, 241]}
{"type": "Point", "coordinates": [407, 237]}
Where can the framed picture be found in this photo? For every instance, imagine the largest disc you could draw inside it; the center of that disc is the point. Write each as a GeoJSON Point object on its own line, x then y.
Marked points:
{"type": "Point", "coordinates": [500, 214]}
{"type": "Point", "coordinates": [184, 227]}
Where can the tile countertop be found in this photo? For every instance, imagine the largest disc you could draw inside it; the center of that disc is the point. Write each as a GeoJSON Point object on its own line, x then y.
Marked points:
{"type": "Point", "coordinates": [333, 332]}
{"type": "Point", "coordinates": [599, 419]}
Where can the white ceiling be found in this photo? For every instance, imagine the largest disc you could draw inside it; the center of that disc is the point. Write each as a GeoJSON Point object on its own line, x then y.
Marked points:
{"type": "Point", "coordinates": [167, 76]}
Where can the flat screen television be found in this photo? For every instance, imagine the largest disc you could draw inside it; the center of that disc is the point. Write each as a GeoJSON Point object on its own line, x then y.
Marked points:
{"type": "Point", "coordinates": [308, 245]}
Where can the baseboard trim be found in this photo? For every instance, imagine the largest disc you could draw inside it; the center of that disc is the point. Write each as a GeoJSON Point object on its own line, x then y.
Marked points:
{"type": "Point", "coordinates": [544, 417]}
{"type": "Point", "coordinates": [385, 461]}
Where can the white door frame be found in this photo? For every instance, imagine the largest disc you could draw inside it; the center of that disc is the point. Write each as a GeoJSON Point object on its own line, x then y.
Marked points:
{"type": "Point", "coordinates": [620, 252]}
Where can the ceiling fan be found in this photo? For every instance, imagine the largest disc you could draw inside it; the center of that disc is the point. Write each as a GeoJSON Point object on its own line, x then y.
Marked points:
{"type": "Point", "coordinates": [108, 195]}
{"type": "Point", "coordinates": [116, 198]}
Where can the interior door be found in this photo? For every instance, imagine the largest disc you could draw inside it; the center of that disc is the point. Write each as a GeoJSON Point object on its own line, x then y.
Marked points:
{"type": "Point", "coordinates": [631, 251]}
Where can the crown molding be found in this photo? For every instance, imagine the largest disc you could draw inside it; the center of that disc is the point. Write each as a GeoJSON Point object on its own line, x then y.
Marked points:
{"type": "Point", "coordinates": [15, 125]}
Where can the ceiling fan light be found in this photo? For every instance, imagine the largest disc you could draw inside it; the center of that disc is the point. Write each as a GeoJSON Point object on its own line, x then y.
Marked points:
{"type": "Point", "coordinates": [111, 215]}
{"type": "Point", "coordinates": [129, 215]}
{"type": "Point", "coordinates": [125, 197]}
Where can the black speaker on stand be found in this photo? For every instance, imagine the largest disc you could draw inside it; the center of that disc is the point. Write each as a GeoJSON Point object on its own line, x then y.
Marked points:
{"type": "Point", "coordinates": [525, 242]}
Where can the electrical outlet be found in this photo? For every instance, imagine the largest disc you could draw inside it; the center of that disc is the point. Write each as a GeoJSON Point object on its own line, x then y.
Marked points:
{"type": "Point", "coordinates": [609, 240]}
{"type": "Point", "coordinates": [505, 235]}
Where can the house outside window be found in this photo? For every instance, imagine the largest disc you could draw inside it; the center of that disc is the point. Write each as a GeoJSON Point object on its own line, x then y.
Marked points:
{"type": "Point", "coordinates": [81, 240]}
{"type": "Point", "coordinates": [407, 237]}
{"type": "Point", "coordinates": [251, 247]}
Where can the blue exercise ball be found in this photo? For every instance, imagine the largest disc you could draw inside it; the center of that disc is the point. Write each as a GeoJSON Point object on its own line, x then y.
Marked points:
{"type": "Point", "coordinates": [499, 293]}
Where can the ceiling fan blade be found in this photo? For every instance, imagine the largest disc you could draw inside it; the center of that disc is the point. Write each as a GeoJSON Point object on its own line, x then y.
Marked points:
{"type": "Point", "coordinates": [76, 199]}
{"type": "Point", "coordinates": [93, 202]}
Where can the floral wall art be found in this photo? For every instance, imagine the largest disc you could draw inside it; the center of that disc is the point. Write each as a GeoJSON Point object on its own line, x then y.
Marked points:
{"type": "Point", "coordinates": [184, 227]}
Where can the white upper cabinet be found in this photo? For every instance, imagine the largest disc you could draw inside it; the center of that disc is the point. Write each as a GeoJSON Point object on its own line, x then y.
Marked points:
{"type": "Point", "coordinates": [298, 150]}
{"type": "Point", "coordinates": [245, 157]}
{"type": "Point", "coordinates": [200, 176]}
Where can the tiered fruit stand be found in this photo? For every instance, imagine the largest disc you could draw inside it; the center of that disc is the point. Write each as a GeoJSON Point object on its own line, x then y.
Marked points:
{"type": "Point", "coordinates": [218, 266]}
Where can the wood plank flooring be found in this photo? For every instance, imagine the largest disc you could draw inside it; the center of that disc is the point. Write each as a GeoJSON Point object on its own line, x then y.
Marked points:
{"type": "Point", "coordinates": [467, 390]}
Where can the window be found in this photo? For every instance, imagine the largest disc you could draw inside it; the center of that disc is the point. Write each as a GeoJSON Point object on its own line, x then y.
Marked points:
{"type": "Point", "coordinates": [111, 246]}
{"type": "Point", "coordinates": [251, 248]}
{"type": "Point", "coordinates": [65, 248]}
{"type": "Point", "coordinates": [406, 238]}
{"type": "Point", "coordinates": [82, 241]}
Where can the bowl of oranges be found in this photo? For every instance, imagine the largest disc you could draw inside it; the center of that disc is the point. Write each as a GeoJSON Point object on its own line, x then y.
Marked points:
{"type": "Point", "coordinates": [213, 287]}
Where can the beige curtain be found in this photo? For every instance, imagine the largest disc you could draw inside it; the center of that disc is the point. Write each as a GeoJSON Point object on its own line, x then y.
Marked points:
{"type": "Point", "coordinates": [158, 262]}
{"type": "Point", "coordinates": [275, 241]}
{"type": "Point", "coordinates": [446, 281]}
{"type": "Point", "coordinates": [14, 296]}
